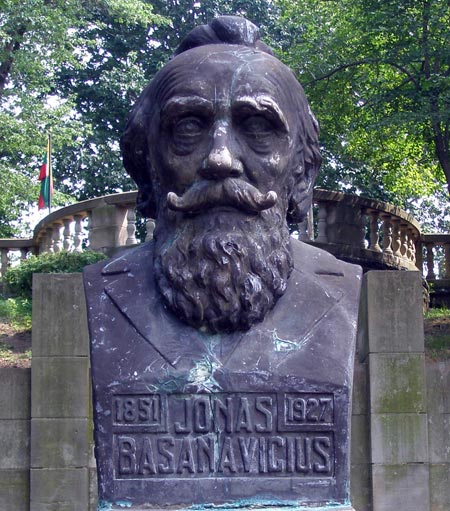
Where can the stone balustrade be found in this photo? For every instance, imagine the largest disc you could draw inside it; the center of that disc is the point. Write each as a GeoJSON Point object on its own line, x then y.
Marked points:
{"type": "Point", "coordinates": [435, 252]}
{"type": "Point", "coordinates": [371, 233]}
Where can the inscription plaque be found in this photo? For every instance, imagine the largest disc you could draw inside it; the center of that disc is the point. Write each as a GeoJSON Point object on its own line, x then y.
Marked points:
{"type": "Point", "coordinates": [224, 435]}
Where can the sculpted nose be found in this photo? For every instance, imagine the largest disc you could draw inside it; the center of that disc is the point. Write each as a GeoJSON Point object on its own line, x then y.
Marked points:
{"type": "Point", "coordinates": [221, 161]}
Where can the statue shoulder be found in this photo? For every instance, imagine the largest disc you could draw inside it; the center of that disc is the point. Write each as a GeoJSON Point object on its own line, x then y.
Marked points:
{"type": "Point", "coordinates": [315, 261]}
{"type": "Point", "coordinates": [124, 261]}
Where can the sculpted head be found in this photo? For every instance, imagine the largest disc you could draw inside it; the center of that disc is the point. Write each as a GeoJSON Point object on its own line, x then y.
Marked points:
{"type": "Point", "coordinates": [224, 150]}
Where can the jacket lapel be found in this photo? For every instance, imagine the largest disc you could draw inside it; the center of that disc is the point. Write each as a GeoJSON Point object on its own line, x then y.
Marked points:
{"type": "Point", "coordinates": [129, 283]}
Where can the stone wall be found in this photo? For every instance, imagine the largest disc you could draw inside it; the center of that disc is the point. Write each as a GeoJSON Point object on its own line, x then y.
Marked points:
{"type": "Point", "coordinates": [400, 423]}
{"type": "Point", "coordinates": [15, 409]}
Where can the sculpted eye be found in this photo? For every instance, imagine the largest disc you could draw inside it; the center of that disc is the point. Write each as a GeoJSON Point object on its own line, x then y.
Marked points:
{"type": "Point", "coordinates": [257, 126]}
{"type": "Point", "coordinates": [188, 127]}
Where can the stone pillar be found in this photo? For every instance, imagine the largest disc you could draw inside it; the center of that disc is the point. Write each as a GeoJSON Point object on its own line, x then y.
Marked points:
{"type": "Point", "coordinates": [392, 345]}
{"type": "Point", "coordinates": [60, 399]}
{"type": "Point", "coordinates": [107, 228]}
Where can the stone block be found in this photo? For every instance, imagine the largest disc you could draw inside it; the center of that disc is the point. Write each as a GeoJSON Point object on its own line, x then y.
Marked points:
{"type": "Point", "coordinates": [15, 393]}
{"type": "Point", "coordinates": [59, 489]}
{"type": "Point", "coordinates": [14, 490]}
{"type": "Point", "coordinates": [360, 440]}
{"type": "Point", "coordinates": [397, 383]}
{"type": "Point", "coordinates": [440, 487]}
{"type": "Point", "coordinates": [393, 312]}
{"type": "Point", "coordinates": [360, 396]}
{"type": "Point", "coordinates": [401, 487]}
{"type": "Point", "coordinates": [60, 387]}
{"type": "Point", "coordinates": [59, 296]}
{"type": "Point", "coordinates": [439, 437]}
{"type": "Point", "coordinates": [437, 386]}
{"type": "Point", "coordinates": [399, 438]}
{"type": "Point", "coordinates": [15, 444]}
{"type": "Point", "coordinates": [361, 486]}
{"type": "Point", "coordinates": [93, 491]}
{"type": "Point", "coordinates": [446, 387]}
{"type": "Point", "coordinates": [59, 443]}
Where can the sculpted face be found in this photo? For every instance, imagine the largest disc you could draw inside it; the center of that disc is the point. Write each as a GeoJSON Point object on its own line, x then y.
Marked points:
{"type": "Point", "coordinates": [224, 113]}
{"type": "Point", "coordinates": [219, 144]}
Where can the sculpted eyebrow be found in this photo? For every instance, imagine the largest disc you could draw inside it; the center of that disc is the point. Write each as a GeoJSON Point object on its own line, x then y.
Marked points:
{"type": "Point", "coordinates": [185, 104]}
{"type": "Point", "coordinates": [263, 105]}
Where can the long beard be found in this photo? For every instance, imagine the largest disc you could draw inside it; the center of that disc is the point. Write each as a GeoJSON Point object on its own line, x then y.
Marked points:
{"type": "Point", "coordinates": [224, 271]}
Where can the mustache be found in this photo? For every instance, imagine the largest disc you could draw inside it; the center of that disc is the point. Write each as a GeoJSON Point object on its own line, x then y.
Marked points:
{"type": "Point", "coordinates": [232, 192]}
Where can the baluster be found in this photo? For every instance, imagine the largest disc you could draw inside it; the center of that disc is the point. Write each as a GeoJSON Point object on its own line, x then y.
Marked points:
{"type": "Point", "coordinates": [447, 261]}
{"type": "Point", "coordinates": [67, 234]}
{"type": "Point", "coordinates": [77, 237]}
{"type": "Point", "coordinates": [362, 219]}
{"type": "Point", "coordinates": [430, 261]}
{"type": "Point", "coordinates": [90, 228]}
{"type": "Point", "coordinates": [49, 242]}
{"type": "Point", "coordinates": [322, 223]}
{"type": "Point", "coordinates": [149, 227]}
{"type": "Point", "coordinates": [374, 233]}
{"type": "Point", "coordinates": [404, 241]}
{"type": "Point", "coordinates": [57, 240]}
{"type": "Point", "coordinates": [396, 242]}
{"type": "Point", "coordinates": [411, 253]}
{"type": "Point", "coordinates": [131, 226]}
{"type": "Point", "coordinates": [419, 255]}
{"type": "Point", "coordinates": [387, 234]}
{"type": "Point", "coordinates": [4, 261]}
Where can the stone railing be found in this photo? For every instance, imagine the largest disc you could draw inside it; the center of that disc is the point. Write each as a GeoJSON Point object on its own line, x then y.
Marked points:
{"type": "Point", "coordinates": [21, 246]}
{"type": "Point", "coordinates": [436, 255]}
{"type": "Point", "coordinates": [374, 234]}
{"type": "Point", "coordinates": [371, 233]}
{"type": "Point", "coordinates": [101, 224]}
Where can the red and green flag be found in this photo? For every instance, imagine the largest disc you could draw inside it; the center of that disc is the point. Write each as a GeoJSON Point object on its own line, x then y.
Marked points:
{"type": "Point", "coordinates": [45, 177]}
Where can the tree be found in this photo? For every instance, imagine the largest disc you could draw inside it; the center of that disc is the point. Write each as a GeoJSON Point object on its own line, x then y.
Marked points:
{"type": "Point", "coordinates": [378, 77]}
{"type": "Point", "coordinates": [40, 40]}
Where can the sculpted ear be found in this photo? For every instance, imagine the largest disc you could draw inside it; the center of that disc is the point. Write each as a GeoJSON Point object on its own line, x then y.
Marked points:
{"type": "Point", "coordinates": [302, 192]}
{"type": "Point", "coordinates": [305, 173]}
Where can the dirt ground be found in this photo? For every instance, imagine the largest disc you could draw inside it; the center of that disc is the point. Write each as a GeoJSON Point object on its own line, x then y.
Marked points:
{"type": "Point", "coordinates": [15, 347]}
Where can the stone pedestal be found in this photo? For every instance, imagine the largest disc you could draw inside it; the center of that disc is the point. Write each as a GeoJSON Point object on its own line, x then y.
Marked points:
{"type": "Point", "coordinates": [391, 343]}
{"type": "Point", "coordinates": [60, 423]}
{"type": "Point", "coordinates": [256, 418]}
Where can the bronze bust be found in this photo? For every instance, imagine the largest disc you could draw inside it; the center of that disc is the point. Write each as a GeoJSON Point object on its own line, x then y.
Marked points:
{"type": "Point", "coordinates": [228, 343]}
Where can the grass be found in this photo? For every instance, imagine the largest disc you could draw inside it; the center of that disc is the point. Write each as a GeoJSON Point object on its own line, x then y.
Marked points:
{"type": "Point", "coordinates": [437, 313]}
{"type": "Point", "coordinates": [9, 356]}
{"type": "Point", "coordinates": [16, 312]}
{"type": "Point", "coordinates": [437, 333]}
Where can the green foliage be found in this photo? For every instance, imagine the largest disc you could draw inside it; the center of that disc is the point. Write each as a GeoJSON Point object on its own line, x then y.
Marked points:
{"type": "Point", "coordinates": [378, 78]}
{"type": "Point", "coordinates": [42, 47]}
{"type": "Point", "coordinates": [437, 313]}
{"type": "Point", "coordinates": [17, 312]}
{"type": "Point", "coordinates": [20, 278]}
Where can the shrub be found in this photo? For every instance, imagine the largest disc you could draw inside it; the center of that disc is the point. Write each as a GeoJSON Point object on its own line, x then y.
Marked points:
{"type": "Point", "coordinates": [20, 278]}
{"type": "Point", "coordinates": [16, 312]}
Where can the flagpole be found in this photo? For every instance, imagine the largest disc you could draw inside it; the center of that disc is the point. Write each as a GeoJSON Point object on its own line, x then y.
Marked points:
{"type": "Point", "coordinates": [50, 180]}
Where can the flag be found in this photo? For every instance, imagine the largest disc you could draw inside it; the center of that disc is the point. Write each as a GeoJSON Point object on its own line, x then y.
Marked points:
{"type": "Point", "coordinates": [45, 177]}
